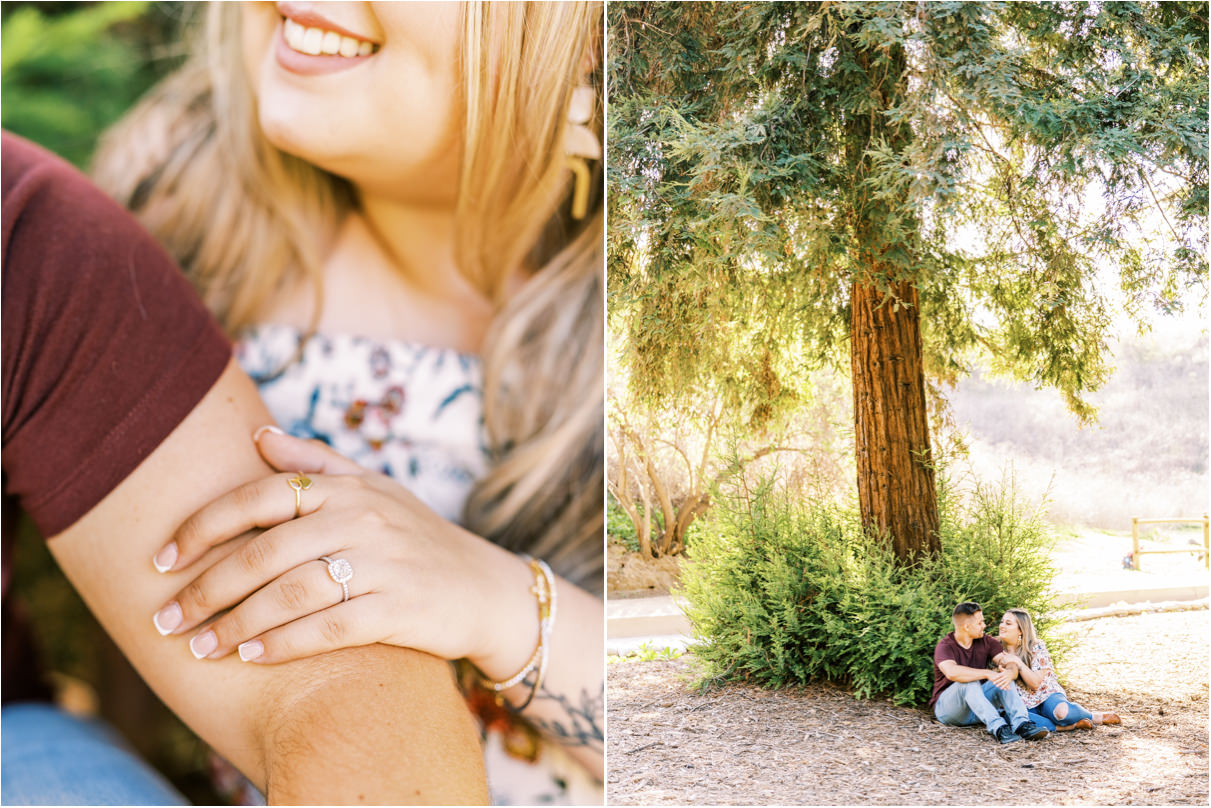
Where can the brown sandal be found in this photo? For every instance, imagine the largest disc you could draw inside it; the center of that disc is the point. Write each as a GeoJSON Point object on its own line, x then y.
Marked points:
{"type": "Point", "coordinates": [1084, 723]}
{"type": "Point", "coordinates": [1106, 718]}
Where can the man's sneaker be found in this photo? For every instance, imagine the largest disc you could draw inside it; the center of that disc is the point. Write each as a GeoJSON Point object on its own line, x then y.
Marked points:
{"type": "Point", "coordinates": [1005, 735]}
{"type": "Point", "coordinates": [1031, 731]}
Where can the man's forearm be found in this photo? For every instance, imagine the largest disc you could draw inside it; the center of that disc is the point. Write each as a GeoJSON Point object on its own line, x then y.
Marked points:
{"type": "Point", "coordinates": [961, 673]}
{"type": "Point", "coordinates": [373, 725]}
{"type": "Point", "coordinates": [333, 728]}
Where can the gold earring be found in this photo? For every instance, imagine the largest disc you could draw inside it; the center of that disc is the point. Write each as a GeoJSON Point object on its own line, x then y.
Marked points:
{"type": "Point", "coordinates": [581, 145]}
{"type": "Point", "coordinates": [580, 191]}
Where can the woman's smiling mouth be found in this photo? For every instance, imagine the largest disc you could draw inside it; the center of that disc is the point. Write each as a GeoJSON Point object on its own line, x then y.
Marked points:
{"type": "Point", "coordinates": [317, 41]}
{"type": "Point", "coordinates": [309, 43]}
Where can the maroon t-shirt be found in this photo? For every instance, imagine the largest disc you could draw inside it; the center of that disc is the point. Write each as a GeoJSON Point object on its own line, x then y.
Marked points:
{"type": "Point", "coordinates": [106, 348]}
{"type": "Point", "coordinates": [980, 653]}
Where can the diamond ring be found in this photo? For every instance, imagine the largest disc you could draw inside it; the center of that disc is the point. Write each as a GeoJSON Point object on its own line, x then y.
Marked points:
{"type": "Point", "coordinates": [340, 571]}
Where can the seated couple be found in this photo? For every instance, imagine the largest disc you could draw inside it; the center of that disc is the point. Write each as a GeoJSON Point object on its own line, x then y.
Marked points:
{"type": "Point", "coordinates": [1020, 698]}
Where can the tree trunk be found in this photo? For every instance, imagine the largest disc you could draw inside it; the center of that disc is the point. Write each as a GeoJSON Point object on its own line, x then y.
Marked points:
{"type": "Point", "coordinates": [895, 468]}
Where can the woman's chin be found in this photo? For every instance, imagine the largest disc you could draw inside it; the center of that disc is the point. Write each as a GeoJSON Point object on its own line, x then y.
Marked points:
{"type": "Point", "coordinates": [306, 140]}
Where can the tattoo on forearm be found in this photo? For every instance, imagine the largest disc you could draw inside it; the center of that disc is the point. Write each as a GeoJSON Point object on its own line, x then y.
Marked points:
{"type": "Point", "coordinates": [579, 722]}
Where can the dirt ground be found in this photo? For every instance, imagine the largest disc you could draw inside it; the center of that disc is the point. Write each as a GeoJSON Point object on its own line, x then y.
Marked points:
{"type": "Point", "coordinates": [816, 745]}
{"type": "Point", "coordinates": [630, 575]}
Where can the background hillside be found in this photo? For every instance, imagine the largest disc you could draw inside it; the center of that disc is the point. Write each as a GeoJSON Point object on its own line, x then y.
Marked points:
{"type": "Point", "coordinates": [1146, 455]}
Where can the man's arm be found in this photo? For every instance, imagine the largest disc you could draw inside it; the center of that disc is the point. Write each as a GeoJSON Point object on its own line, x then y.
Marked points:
{"type": "Point", "coordinates": [961, 673]}
{"type": "Point", "coordinates": [364, 725]}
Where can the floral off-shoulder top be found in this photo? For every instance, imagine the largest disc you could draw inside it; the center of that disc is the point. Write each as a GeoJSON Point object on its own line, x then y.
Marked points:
{"type": "Point", "coordinates": [415, 413]}
{"type": "Point", "coordinates": [1041, 661]}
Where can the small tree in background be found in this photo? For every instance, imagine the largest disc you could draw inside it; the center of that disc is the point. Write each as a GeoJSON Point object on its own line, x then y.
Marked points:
{"type": "Point", "coordinates": [900, 187]}
{"type": "Point", "coordinates": [663, 464]}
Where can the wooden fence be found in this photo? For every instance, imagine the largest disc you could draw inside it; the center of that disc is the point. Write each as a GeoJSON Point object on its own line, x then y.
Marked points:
{"type": "Point", "coordinates": [1136, 552]}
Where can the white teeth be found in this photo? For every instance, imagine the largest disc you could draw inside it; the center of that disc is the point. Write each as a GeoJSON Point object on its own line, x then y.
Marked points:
{"type": "Point", "coordinates": [316, 41]}
{"type": "Point", "coordinates": [313, 39]}
{"type": "Point", "coordinates": [294, 34]}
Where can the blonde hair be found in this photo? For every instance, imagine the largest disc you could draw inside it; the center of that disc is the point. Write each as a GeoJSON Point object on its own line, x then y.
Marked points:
{"type": "Point", "coordinates": [1029, 638]}
{"type": "Point", "coordinates": [244, 219]}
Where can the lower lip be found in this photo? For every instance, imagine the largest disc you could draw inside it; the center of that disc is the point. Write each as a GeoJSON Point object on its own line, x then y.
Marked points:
{"type": "Point", "coordinates": [307, 65]}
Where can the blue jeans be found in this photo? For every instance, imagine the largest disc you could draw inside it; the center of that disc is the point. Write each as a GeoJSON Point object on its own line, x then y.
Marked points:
{"type": "Point", "coordinates": [962, 704]}
{"type": "Point", "coordinates": [1043, 714]}
{"type": "Point", "coordinates": [50, 757]}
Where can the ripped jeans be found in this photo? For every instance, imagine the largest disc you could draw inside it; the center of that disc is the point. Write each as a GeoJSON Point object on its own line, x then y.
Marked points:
{"type": "Point", "coordinates": [1043, 713]}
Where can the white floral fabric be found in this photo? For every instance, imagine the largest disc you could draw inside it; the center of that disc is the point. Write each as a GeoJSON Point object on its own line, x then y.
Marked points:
{"type": "Point", "coordinates": [410, 411]}
{"type": "Point", "coordinates": [415, 413]}
{"type": "Point", "coordinates": [1041, 661]}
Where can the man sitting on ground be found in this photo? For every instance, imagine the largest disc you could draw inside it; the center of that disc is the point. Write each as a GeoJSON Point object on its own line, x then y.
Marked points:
{"type": "Point", "coordinates": [967, 692]}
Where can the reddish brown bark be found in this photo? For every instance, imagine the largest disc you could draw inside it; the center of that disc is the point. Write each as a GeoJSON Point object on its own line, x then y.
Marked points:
{"type": "Point", "coordinates": [895, 473]}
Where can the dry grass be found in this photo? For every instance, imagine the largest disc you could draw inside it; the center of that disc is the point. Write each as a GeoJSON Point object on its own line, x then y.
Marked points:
{"type": "Point", "coordinates": [817, 745]}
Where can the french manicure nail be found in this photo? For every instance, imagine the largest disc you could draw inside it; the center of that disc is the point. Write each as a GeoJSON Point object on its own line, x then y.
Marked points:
{"type": "Point", "coordinates": [167, 556]}
{"type": "Point", "coordinates": [267, 428]}
{"type": "Point", "coordinates": [168, 618]}
{"type": "Point", "coordinates": [251, 650]}
{"type": "Point", "coordinates": [203, 644]}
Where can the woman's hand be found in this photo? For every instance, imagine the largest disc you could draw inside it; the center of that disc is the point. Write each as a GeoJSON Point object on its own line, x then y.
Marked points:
{"type": "Point", "coordinates": [418, 581]}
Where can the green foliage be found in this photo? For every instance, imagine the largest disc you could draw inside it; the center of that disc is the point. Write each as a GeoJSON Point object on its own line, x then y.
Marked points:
{"type": "Point", "coordinates": [70, 73]}
{"type": "Point", "coordinates": [619, 526]}
{"type": "Point", "coordinates": [765, 156]}
{"type": "Point", "coordinates": [783, 592]}
{"type": "Point", "coordinates": [647, 653]}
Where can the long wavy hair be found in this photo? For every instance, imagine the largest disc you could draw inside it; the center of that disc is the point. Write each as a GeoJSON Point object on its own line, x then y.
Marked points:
{"type": "Point", "coordinates": [245, 219]}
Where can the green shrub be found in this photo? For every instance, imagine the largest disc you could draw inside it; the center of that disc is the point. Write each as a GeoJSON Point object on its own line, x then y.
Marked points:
{"type": "Point", "coordinates": [784, 592]}
{"type": "Point", "coordinates": [618, 525]}
{"type": "Point", "coordinates": [70, 70]}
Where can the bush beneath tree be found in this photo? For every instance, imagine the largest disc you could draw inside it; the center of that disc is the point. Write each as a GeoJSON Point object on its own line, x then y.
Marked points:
{"type": "Point", "coordinates": [784, 592]}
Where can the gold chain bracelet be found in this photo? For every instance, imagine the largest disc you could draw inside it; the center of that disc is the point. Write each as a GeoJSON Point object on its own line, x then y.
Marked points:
{"type": "Point", "coordinates": [544, 592]}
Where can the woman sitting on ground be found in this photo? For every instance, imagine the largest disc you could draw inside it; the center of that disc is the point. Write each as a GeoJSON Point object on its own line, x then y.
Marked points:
{"type": "Point", "coordinates": [1045, 700]}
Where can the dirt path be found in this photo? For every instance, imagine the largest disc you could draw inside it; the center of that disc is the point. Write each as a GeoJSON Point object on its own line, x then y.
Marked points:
{"type": "Point", "coordinates": [817, 745]}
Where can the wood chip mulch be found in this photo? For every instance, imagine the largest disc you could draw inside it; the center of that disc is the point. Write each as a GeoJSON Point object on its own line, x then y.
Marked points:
{"type": "Point", "coordinates": [817, 745]}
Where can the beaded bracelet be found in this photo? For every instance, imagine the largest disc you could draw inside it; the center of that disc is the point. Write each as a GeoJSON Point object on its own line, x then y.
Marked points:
{"type": "Point", "coordinates": [544, 593]}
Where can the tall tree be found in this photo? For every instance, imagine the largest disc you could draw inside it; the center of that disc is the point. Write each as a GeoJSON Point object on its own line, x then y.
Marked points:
{"type": "Point", "coordinates": [913, 185]}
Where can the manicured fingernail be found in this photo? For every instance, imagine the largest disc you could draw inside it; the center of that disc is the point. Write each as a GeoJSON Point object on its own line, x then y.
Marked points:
{"type": "Point", "coordinates": [251, 650]}
{"type": "Point", "coordinates": [166, 557]}
{"type": "Point", "coordinates": [267, 428]}
{"type": "Point", "coordinates": [203, 644]}
{"type": "Point", "coordinates": [167, 619]}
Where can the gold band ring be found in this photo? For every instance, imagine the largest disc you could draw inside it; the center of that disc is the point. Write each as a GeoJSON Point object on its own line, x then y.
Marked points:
{"type": "Point", "coordinates": [300, 484]}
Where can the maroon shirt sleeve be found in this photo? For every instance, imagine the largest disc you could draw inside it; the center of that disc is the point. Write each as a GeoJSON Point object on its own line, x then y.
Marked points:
{"type": "Point", "coordinates": [944, 650]}
{"type": "Point", "coordinates": [106, 348]}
